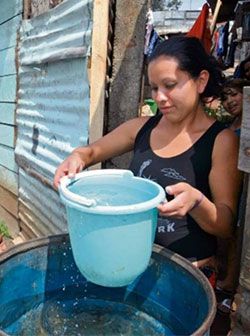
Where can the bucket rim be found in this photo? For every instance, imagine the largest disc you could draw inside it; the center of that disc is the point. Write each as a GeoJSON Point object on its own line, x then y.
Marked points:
{"type": "Point", "coordinates": [88, 205]}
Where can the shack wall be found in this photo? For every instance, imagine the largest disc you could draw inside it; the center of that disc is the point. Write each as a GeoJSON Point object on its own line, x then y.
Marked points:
{"type": "Point", "coordinates": [10, 20]}
{"type": "Point", "coordinates": [52, 108]}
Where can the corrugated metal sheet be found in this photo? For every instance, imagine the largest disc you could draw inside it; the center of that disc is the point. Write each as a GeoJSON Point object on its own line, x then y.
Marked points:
{"type": "Point", "coordinates": [53, 104]}
{"type": "Point", "coordinates": [39, 204]}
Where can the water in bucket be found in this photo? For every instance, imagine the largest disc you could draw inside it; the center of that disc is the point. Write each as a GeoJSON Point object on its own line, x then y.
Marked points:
{"type": "Point", "coordinates": [112, 217]}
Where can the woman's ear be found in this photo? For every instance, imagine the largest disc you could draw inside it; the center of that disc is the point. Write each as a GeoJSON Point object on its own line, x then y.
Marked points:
{"type": "Point", "coordinates": [202, 81]}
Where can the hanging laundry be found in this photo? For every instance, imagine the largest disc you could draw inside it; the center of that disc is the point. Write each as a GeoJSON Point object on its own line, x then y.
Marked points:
{"type": "Point", "coordinates": [223, 40]}
{"type": "Point", "coordinates": [149, 29]}
{"type": "Point", "coordinates": [154, 39]}
{"type": "Point", "coordinates": [201, 30]}
{"type": "Point", "coordinates": [151, 38]}
{"type": "Point", "coordinates": [230, 58]}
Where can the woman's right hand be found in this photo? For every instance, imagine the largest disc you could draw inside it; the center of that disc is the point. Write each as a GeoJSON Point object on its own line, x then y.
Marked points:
{"type": "Point", "coordinates": [70, 166]}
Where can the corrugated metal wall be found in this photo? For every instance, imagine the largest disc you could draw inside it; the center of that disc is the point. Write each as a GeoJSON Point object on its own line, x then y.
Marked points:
{"type": "Point", "coordinates": [53, 108]}
{"type": "Point", "coordinates": [10, 20]}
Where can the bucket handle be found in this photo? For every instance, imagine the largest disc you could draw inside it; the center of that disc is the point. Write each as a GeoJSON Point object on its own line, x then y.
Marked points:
{"type": "Point", "coordinates": [88, 202]}
{"type": "Point", "coordinates": [66, 181]}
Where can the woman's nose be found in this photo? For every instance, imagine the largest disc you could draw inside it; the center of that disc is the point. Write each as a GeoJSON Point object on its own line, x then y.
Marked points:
{"type": "Point", "coordinates": [228, 99]}
{"type": "Point", "coordinates": [161, 96]}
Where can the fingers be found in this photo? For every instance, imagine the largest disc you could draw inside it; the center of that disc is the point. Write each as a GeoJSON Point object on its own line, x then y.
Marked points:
{"type": "Point", "coordinates": [182, 202]}
{"type": "Point", "coordinates": [58, 175]}
{"type": "Point", "coordinates": [174, 208]}
{"type": "Point", "coordinates": [72, 165]}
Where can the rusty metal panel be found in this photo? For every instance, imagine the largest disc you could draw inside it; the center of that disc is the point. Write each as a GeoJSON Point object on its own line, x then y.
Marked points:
{"type": "Point", "coordinates": [39, 204]}
{"type": "Point", "coordinates": [53, 105]}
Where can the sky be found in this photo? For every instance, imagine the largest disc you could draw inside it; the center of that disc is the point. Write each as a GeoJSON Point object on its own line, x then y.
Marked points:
{"type": "Point", "coordinates": [192, 4]}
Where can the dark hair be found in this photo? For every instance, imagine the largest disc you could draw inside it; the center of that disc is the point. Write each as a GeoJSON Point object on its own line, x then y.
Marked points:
{"type": "Point", "coordinates": [192, 58]}
{"type": "Point", "coordinates": [241, 68]}
{"type": "Point", "coordinates": [233, 83]}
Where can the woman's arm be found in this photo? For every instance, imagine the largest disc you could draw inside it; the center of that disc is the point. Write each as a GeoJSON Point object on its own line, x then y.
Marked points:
{"type": "Point", "coordinates": [216, 217]}
{"type": "Point", "coordinates": [117, 142]}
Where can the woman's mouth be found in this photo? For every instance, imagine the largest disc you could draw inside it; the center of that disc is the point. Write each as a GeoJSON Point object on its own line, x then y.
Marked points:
{"type": "Point", "coordinates": [233, 108]}
{"type": "Point", "coordinates": [165, 109]}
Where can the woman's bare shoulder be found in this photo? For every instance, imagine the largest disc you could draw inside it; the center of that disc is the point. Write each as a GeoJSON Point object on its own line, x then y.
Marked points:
{"type": "Point", "coordinates": [134, 125]}
{"type": "Point", "coordinates": [226, 141]}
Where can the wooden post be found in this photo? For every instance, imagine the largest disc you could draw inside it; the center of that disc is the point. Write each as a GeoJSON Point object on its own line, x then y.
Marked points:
{"type": "Point", "coordinates": [26, 9]}
{"type": "Point", "coordinates": [215, 16]}
{"type": "Point", "coordinates": [98, 68]}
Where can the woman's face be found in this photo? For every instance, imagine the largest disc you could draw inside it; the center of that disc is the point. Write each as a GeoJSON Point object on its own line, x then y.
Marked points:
{"type": "Point", "coordinates": [175, 92]}
{"type": "Point", "coordinates": [232, 101]}
{"type": "Point", "coordinates": [247, 70]}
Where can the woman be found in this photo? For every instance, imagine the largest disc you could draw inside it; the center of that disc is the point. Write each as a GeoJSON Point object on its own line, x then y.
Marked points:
{"type": "Point", "coordinates": [181, 148]}
{"type": "Point", "coordinates": [232, 100]}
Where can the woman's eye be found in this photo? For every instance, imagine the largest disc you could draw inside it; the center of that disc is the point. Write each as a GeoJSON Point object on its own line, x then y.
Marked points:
{"type": "Point", "coordinates": [170, 85]}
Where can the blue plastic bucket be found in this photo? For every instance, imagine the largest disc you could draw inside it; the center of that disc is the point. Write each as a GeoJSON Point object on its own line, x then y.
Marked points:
{"type": "Point", "coordinates": [112, 218]}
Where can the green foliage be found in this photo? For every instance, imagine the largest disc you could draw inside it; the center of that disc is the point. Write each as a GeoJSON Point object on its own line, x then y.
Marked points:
{"type": "Point", "coordinates": [161, 5]}
{"type": "Point", "coordinates": [4, 231]}
{"type": "Point", "coordinates": [218, 113]}
{"type": "Point", "coordinates": [174, 4]}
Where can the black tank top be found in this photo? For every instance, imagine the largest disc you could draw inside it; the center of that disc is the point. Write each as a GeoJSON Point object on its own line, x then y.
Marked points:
{"type": "Point", "coordinates": [183, 236]}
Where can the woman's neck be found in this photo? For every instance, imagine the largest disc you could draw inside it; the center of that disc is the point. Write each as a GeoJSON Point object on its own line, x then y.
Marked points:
{"type": "Point", "coordinates": [236, 123]}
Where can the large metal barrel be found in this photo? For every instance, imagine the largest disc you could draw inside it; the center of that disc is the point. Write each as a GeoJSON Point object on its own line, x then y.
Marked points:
{"type": "Point", "coordinates": [43, 293]}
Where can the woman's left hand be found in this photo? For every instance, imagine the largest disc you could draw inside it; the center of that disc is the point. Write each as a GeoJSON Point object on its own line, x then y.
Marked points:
{"type": "Point", "coordinates": [185, 199]}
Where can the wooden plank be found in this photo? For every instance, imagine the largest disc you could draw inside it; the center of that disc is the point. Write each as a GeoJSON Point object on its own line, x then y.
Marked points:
{"type": "Point", "coordinates": [9, 180]}
{"type": "Point", "coordinates": [7, 113]}
{"type": "Point", "coordinates": [215, 16]}
{"type": "Point", "coordinates": [98, 68]}
{"type": "Point", "coordinates": [10, 221]}
{"type": "Point", "coordinates": [7, 64]}
{"type": "Point", "coordinates": [7, 135]}
{"type": "Point", "coordinates": [10, 9]}
{"type": "Point", "coordinates": [8, 89]}
{"type": "Point", "coordinates": [7, 158]}
{"type": "Point", "coordinates": [26, 9]}
{"type": "Point", "coordinates": [8, 32]}
{"type": "Point", "coordinates": [244, 156]}
{"type": "Point", "coordinates": [9, 201]}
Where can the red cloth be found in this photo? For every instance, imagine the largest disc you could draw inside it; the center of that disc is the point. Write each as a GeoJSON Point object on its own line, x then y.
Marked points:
{"type": "Point", "coordinates": [201, 30]}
